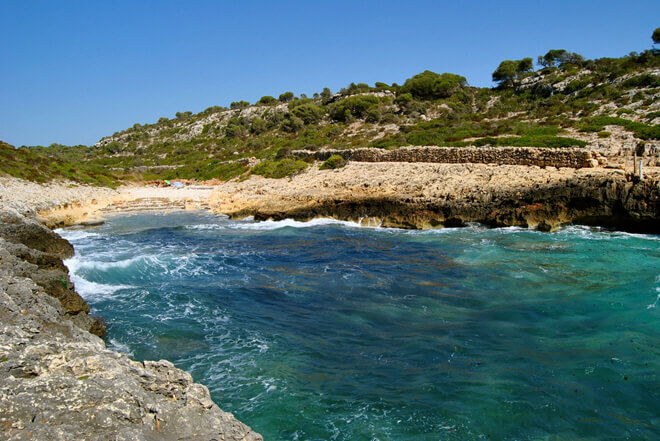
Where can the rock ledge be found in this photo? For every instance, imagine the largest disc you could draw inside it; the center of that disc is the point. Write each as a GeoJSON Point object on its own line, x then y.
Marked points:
{"type": "Point", "coordinates": [59, 382]}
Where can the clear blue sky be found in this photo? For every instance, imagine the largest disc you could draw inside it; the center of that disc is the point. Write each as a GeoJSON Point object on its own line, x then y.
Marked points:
{"type": "Point", "coordinates": [72, 72]}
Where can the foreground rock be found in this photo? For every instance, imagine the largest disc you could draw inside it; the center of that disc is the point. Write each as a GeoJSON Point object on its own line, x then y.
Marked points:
{"type": "Point", "coordinates": [423, 195]}
{"type": "Point", "coordinates": [59, 382]}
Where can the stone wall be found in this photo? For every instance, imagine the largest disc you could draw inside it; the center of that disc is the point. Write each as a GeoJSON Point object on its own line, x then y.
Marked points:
{"type": "Point", "coordinates": [555, 157]}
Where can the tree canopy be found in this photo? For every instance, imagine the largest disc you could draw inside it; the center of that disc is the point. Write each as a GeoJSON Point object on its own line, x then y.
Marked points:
{"type": "Point", "coordinates": [286, 97]}
{"type": "Point", "coordinates": [510, 70]}
{"type": "Point", "coordinates": [656, 36]}
{"type": "Point", "coordinates": [559, 58]}
{"type": "Point", "coordinates": [266, 100]}
{"type": "Point", "coordinates": [430, 85]}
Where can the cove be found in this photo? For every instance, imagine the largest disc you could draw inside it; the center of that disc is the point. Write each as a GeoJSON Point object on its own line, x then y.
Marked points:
{"type": "Point", "coordinates": [327, 331]}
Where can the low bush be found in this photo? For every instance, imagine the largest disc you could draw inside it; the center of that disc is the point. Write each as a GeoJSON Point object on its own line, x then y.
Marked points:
{"type": "Point", "coordinates": [640, 130]}
{"type": "Point", "coordinates": [430, 85]}
{"type": "Point", "coordinates": [308, 113]}
{"type": "Point", "coordinates": [333, 162]}
{"type": "Point", "coordinates": [652, 115]}
{"type": "Point", "coordinates": [353, 106]}
{"type": "Point", "coordinates": [524, 141]}
{"type": "Point", "coordinates": [279, 169]}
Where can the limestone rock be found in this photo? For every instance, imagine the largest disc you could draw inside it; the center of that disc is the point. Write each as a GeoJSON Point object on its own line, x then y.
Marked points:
{"type": "Point", "coordinates": [59, 382]}
{"type": "Point", "coordinates": [19, 229]}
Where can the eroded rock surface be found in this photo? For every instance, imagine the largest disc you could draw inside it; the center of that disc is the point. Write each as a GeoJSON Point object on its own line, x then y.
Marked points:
{"type": "Point", "coordinates": [59, 382]}
{"type": "Point", "coordinates": [424, 195]}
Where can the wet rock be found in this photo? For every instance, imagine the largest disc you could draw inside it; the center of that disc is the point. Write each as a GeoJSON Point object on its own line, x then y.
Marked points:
{"type": "Point", "coordinates": [19, 229]}
{"type": "Point", "coordinates": [408, 195]}
{"type": "Point", "coordinates": [59, 382]}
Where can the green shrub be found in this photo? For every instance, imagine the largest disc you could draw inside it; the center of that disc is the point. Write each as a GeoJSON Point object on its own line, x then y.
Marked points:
{"type": "Point", "coordinates": [640, 130]}
{"type": "Point", "coordinates": [333, 162]}
{"type": "Point", "coordinates": [527, 141]}
{"type": "Point", "coordinates": [279, 169]}
{"type": "Point", "coordinates": [510, 70]}
{"type": "Point", "coordinates": [292, 124]}
{"type": "Point", "coordinates": [235, 131]}
{"type": "Point", "coordinates": [267, 100]}
{"type": "Point", "coordinates": [652, 115]}
{"type": "Point", "coordinates": [373, 115]}
{"type": "Point", "coordinates": [645, 80]}
{"type": "Point", "coordinates": [430, 85]}
{"type": "Point", "coordinates": [286, 97]}
{"type": "Point", "coordinates": [225, 172]}
{"type": "Point", "coordinates": [284, 152]}
{"type": "Point", "coordinates": [259, 126]}
{"type": "Point", "coordinates": [239, 105]}
{"type": "Point", "coordinates": [354, 106]}
{"type": "Point", "coordinates": [604, 134]}
{"type": "Point", "coordinates": [308, 113]}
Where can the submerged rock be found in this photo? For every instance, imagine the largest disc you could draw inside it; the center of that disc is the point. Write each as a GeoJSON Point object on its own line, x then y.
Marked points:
{"type": "Point", "coordinates": [59, 382]}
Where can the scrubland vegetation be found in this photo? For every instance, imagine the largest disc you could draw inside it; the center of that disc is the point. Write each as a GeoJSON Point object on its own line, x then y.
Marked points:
{"type": "Point", "coordinates": [567, 96]}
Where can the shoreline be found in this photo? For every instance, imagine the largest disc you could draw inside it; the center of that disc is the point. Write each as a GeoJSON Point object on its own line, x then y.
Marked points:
{"type": "Point", "coordinates": [35, 286]}
{"type": "Point", "coordinates": [427, 195]}
{"type": "Point", "coordinates": [51, 352]}
{"type": "Point", "coordinates": [402, 195]}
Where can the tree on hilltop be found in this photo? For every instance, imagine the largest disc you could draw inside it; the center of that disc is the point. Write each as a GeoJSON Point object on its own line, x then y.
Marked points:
{"type": "Point", "coordinates": [239, 105]}
{"type": "Point", "coordinates": [656, 36]}
{"type": "Point", "coordinates": [266, 100]}
{"type": "Point", "coordinates": [559, 58]}
{"type": "Point", "coordinates": [430, 85]}
{"type": "Point", "coordinates": [510, 70]}
{"type": "Point", "coordinates": [286, 97]}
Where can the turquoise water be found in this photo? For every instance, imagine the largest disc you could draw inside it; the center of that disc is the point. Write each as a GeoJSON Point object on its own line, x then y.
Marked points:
{"type": "Point", "coordinates": [328, 331]}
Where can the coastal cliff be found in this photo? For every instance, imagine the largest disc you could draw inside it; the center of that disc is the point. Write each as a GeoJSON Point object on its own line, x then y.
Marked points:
{"type": "Point", "coordinates": [57, 379]}
{"type": "Point", "coordinates": [423, 195]}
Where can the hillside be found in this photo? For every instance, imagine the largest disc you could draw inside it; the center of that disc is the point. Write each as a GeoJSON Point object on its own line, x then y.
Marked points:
{"type": "Point", "coordinates": [609, 105]}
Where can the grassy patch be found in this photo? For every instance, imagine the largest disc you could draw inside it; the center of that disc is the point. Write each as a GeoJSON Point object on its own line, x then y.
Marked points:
{"type": "Point", "coordinates": [640, 130]}
{"type": "Point", "coordinates": [279, 169]}
{"type": "Point", "coordinates": [524, 141]}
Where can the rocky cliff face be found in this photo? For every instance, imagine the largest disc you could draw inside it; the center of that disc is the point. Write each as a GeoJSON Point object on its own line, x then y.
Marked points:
{"type": "Point", "coordinates": [423, 195]}
{"type": "Point", "coordinates": [614, 203]}
{"type": "Point", "coordinates": [57, 379]}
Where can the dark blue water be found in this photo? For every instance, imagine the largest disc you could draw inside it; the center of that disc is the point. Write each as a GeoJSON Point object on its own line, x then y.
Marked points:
{"type": "Point", "coordinates": [328, 331]}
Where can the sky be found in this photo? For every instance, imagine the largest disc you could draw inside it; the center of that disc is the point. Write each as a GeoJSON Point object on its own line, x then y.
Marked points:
{"type": "Point", "coordinates": [72, 72]}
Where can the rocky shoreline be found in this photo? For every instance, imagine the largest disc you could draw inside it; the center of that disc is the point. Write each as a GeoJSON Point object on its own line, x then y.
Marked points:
{"type": "Point", "coordinates": [419, 196]}
{"type": "Point", "coordinates": [57, 379]}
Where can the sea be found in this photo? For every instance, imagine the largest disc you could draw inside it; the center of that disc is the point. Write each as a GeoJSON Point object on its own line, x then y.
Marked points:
{"type": "Point", "coordinates": [326, 330]}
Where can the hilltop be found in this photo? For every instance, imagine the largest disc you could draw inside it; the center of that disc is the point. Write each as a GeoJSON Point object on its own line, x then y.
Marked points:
{"type": "Point", "coordinates": [608, 105]}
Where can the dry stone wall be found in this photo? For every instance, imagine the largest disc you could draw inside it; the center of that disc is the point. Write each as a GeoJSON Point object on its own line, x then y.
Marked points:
{"type": "Point", "coordinates": [556, 157]}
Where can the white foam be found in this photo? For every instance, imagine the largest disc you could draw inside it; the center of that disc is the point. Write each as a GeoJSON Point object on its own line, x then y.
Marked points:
{"type": "Point", "coordinates": [75, 235]}
{"type": "Point", "coordinates": [104, 265]}
{"type": "Point", "coordinates": [120, 347]}
{"type": "Point", "coordinates": [92, 290]}
{"type": "Point", "coordinates": [205, 227]}
{"type": "Point", "coordinates": [274, 225]}
{"type": "Point", "coordinates": [598, 233]}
